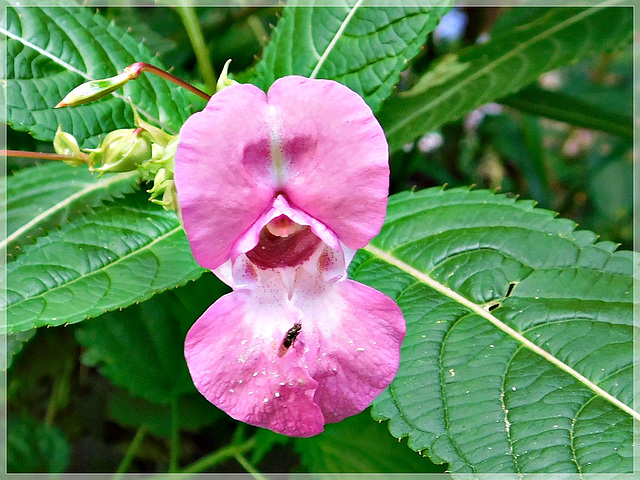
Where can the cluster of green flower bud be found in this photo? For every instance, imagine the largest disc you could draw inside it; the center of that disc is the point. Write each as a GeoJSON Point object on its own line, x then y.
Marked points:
{"type": "Point", "coordinates": [146, 149]}
{"type": "Point", "coordinates": [122, 150]}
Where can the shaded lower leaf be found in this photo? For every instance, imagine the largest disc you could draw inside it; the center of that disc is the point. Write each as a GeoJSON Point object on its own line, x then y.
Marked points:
{"type": "Point", "coordinates": [34, 447]}
{"type": "Point", "coordinates": [359, 445]}
{"type": "Point", "coordinates": [194, 412]}
{"type": "Point", "coordinates": [121, 253]}
{"type": "Point", "coordinates": [519, 335]}
{"type": "Point", "coordinates": [15, 343]}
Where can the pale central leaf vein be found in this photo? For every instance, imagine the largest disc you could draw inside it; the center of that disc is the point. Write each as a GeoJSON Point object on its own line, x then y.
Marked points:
{"type": "Point", "coordinates": [92, 187]}
{"type": "Point", "coordinates": [391, 260]}
{"type": "Point", "coordinates": [335, 38]}
{"type": "Point", "coordinates": [98, 270]}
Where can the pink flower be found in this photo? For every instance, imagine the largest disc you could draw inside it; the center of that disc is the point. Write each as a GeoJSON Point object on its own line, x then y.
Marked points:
{"type": "Point", "coordinates": [277, 191]}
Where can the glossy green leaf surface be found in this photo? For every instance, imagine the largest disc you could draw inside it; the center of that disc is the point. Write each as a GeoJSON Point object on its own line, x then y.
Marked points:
{"type": "Point", "coordinates": [518, 355]}
{"type": "Point", "coordinates": [120, 254]}
{"type": "Point", "coordinates": [365, 47]}
{"type": "Point", "coordinates": [508, 61]}
{"type": "Point", "coordinates": [51, 50]}
{"type": "Point", "coordinates": [62, 193]}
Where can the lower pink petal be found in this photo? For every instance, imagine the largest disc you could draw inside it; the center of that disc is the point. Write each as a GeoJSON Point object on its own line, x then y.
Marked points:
{"type": "Point", "coordinates": [231, 352]}
{"type": "Point", "coordinates": [359, 332]}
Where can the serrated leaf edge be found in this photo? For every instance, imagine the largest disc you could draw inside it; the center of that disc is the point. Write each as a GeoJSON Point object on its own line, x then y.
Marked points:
{"type": "Point", "coordinates": [169, 233]}
{"type": "Point", "coordinates": [486, 314]}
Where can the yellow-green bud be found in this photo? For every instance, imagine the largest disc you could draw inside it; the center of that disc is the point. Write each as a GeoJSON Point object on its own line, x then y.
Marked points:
{"type": "Point", "coordinates": [123, 150]}
{"type": "Point", "coordinates": [66, 144]}
{"type": "Point", "coordinates": [169, 197]}
{"type": "Point", "coordinates": [94, 90]}
{"type": "Point", "coordinates": [223, 80]}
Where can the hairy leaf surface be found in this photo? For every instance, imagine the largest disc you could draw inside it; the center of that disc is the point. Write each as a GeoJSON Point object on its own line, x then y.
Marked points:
{"type": "Point", "coordinates": [120, 254]}
{"type": "Point", "coordinates": [510, 60]}
{"type": "Point", "coordinates": [38, 198]}
{"type": "Point", "coordinates": [362, 46]}
{"type": "Point", "coordinates": [518, 354]}
{"type": "Point", "coordinates": [51, 50]}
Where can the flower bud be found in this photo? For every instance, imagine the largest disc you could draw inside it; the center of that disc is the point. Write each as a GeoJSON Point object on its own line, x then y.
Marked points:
{"type": "Point", "coordinates": [123, 150]}
{"type": "Point", "coordinates": [166, 188]}
{"type": "Point", "coordinates": [94, 90]}
{"type": "Point", "coordinates": [66, 144]}
{"type": "Point", "coordinates": [223, 80]}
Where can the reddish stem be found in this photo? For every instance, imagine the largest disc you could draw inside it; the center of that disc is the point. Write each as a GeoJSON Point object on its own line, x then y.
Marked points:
{"type": "Point", "coordinates": [135, 69]}
{"type": "Point", "coordinates": [41, 155]}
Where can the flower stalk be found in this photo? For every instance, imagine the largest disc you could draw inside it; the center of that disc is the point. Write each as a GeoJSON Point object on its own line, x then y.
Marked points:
{"type": "Point", "coordinates": [42, 155]}
{"type": "Point", "coordinates": [97, 89]}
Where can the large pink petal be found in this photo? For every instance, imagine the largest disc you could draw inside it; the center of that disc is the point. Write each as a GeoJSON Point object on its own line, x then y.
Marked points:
{"type": "Point", "coordinates": [222, 171]}
{"type": "Point", "coordinates": [335, 155]}
{"type": "Point", "coordinates": [232, 355]}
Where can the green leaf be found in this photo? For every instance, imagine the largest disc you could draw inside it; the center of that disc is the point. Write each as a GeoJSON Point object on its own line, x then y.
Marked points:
{"type": "Point", "coordinates": [476, 75]}
{"type": "Point", "coordinates": [141, 348]}
{"type": "Point", "coordinates": [363, 47]}
{"type": "Point", "coordinates": [122, 253]}
{"type": "Point", "coordinates": [359, 445]}
{"type": "Point", "coordinates": [34, 447]}
{"type": "Point", "coordinates": [51, 50]}
{"type": "Point", "coordinates": [518, 356]}
{"type": "Point", "coordinates": [40, 197]}
{"type": "Point", "coordinates": [565, 108]}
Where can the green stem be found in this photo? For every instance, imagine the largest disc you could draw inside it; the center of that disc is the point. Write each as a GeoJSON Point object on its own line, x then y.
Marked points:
{"type": "Point", "coordinates": [131, 452]}
{"type": "Point", "coordinates": [219, 456]}
{"type": "Point", "coordinates": [174, 452]}
{"type": "Point", "coordinates": [59, 393]}
{"type": "Point", "coordinates": [249, 468]}
{"type": "Point", "coordinates": [192, 25]}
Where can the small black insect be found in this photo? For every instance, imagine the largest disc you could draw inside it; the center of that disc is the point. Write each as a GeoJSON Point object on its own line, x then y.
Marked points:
{"type": "Point", "coordinates": [289, 339]}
